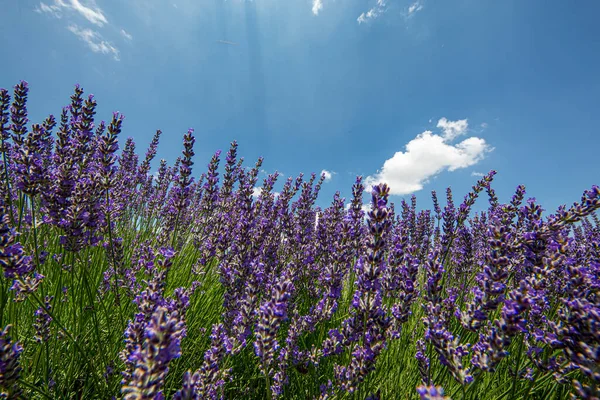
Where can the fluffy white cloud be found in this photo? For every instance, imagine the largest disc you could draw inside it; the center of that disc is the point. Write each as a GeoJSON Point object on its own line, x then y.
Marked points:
{"type": "Point", "coordinates": [256, 191]}
{"type": "Point", "coordinates": [415, 7]}
{"type": "Point", "coordinates": [94, 41]}
{"type": "Point", "coordinates": [126, 35]}
{"type": "Point", "coordinates": [452, 129]}
{"type": "Point", "coordinates": [365, 207]}
{"type": "Point", "coordinates": [317, 5]}
{"type": "Point", "coordinates": [89, 10]}
{"type": "Point", "coordinates": [373, 13]}
{"type": "Point", "coordinates": [427, 155]}
{"type": "Point", "coordinates": [328, 175]}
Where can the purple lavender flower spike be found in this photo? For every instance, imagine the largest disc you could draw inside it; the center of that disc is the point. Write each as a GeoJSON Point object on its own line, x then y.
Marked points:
{"type": "Point", "coordinates": [42, 321]}
{"type": "Point", "coordinates": [162, 343]}
{"type": "Point", "coordinates": [431, 393]}
{"type": "Point", "coordinates": [208, 381]}
{"type": "Point", "coordinates": [188, 390]}
{"type": "Point", "coordinates": [367, 325]}
{"type": "Point", "coordinates": [10, 368]}
{"type": "Point", "coordinates": [18, 113]}
{"type": "Point", "coordinates": [15, 264]}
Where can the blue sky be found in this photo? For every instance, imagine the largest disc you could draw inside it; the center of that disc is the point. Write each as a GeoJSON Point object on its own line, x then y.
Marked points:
{"type": "Point", "coordinates": [423, 94]}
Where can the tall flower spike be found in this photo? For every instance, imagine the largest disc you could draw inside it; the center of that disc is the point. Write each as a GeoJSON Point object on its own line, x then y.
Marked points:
{"type": "Point", "coordinates": [182, 192]}
{"type": "Point", "coordinates": [10, 368]}
{"type": "Point", "coordinates": [108, 147]}
{"type": "Point", "coordinates": [431, 393]}
{"type": "Point", "coordinates": [14, 263]}
{"type": "Point", "coordinates": [368, 322]}
{"type": "Point", "coordinates": [18, 113]}
{"type": "Point", "coordinates": [42, 321]}
{"type": "Point", "coordinates": [4, 118]}
{"type": "Point", "coordinates": [150, 154]}
{"type": "Point", "coordinates": [162, 344]}
{"type": "Point", "coordinates": [31, 171]}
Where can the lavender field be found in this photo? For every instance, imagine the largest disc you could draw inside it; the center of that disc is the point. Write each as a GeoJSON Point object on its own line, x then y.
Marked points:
{"type": "Point", "coordinates": [124, 277]}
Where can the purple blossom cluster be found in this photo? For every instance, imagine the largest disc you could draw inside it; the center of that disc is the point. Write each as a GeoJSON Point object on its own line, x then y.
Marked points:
{"type": "Point", "coordinates": [303, 290]}
{"type": "Point", "coordinates": [10, 368]}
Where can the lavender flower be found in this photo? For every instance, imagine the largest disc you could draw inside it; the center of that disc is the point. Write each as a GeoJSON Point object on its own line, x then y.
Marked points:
{"type": "Point", "coordinates": [507, 278]}
{"type": "Point", "coordinates": [367, 323]}
{"type": "Point", "coordinates": [270, 315]}
{"type": "Point", "coordinates": [162, 343]}
{"type": "Point", "coordinates": [18, 113]}
{"type": "Point", "coordinates": [208, 381]}
{"type": "Point", "coordinates": [448, 347]}
{"type": "Point", "coordinates": [43, 320]}
{"type": "Point", "coordinates": [10, 368]}
{"type": "Point", "coordinates": [431, 393]}
{"type": "Point", "coordinates": [14, 263]}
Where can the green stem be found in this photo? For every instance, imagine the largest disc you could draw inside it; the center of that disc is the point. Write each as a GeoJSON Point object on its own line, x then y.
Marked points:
{"type": "Point", "coordinates": [34, 388]}
{"type": "Point", "coordinates": [21, 207]}
{"type": "Point", "coordinates": [8, 194]}
{"type": "Point", "coordinates": [112, 251]}
{"type": "Point", "coordinates": [47, 372]}
{"type": "Point", "coordinates": [268, 381]}
{"type": "Point", "coordinates": [175, 230]}
{"type": "Point", "coordinates": [55, 320]}
{"type": "Point", "coordinates": [35, 241]}
{"type": "Point", "coordinates": [517, 366]}
{"type": "Point", "coordinates": [96, 322]}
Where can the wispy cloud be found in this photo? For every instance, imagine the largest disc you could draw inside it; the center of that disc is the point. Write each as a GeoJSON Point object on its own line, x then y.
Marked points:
{"type": "Point", "coordinates": [328, 174]}
{"type": "Point", "coordinates": [373, 13]}
{"type": "Point", "coordinates": [317, 5]}
{"type": "Point", "coordinates": [475, 173]}
{"type": "Point", "coordinates": [94, 41]}
{"type": "Point", "coordinates": [414, 8]}
{"type": "Point", "coordinates": [227, 42]}
{"type": "Point", "coordinates": [53, 10]}
{"type": "Point", "coordinates": [126, 35]}
{"type": "Point", "coordinates": [429, 154]}
{"type": "Point", "coordinates": [89, 10]}
{"type": "Point", "coordinates": [92, 12]}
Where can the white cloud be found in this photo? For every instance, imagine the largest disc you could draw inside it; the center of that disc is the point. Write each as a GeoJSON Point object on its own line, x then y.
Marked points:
{"type": "Point", "coordinates": [484, 125]}
{"type": "Point", "coordinates": [126, 35]}
{"type": "Point", "coordinates": [89, 11]}
{"type": "Point", "coordinates": [365, 208]}
{"type": "Point", "coordinates": [317, 5]}
{"type": "Point", "coordinates": [475, 173]}
{"type": "Point", "coordinates": [415, 7]}
{"type": "Point", "coordinates": [256, 191]}
{"type": "Point", "coordinates": [328, 174]}
{"type": "Point", "coordinates": [53, 10]}
{"type": "Point", "coordinates": [94, 41]}
{"type": "Point", "coordinates": [427, 155]}
{"type": "Point", "coordinates": [453, 129]}
{"type": "Point", "coordinates": [373, 13]}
